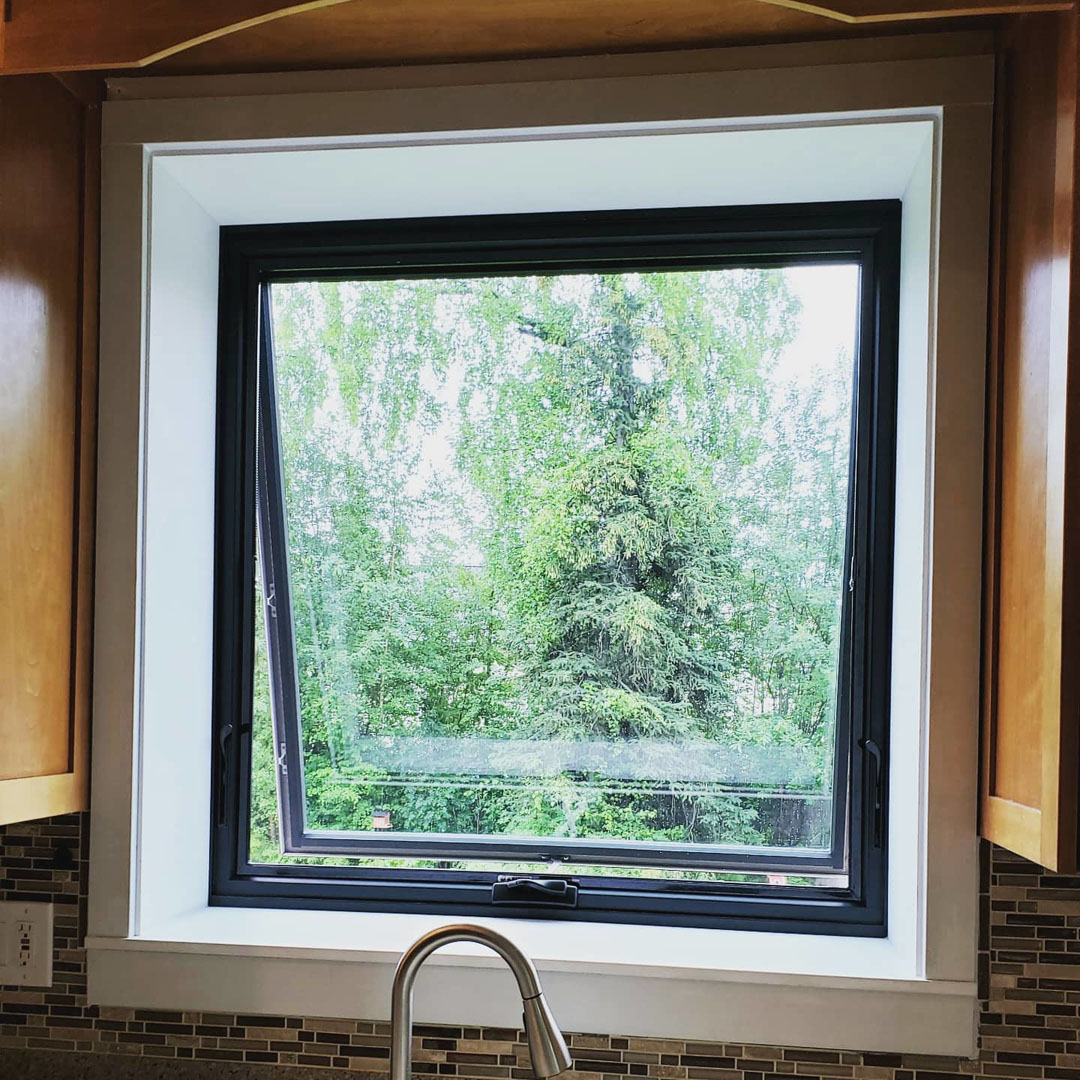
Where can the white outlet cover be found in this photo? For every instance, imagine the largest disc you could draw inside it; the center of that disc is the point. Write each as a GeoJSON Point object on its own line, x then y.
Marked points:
{"type": "Point", "coordinates": [26, 944]}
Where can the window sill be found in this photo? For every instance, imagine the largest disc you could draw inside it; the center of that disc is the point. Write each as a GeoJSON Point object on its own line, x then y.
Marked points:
{"type": "Point", "coordinates": [669, 982]}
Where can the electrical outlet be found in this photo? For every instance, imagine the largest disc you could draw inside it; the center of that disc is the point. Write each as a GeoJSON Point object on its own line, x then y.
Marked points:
{"type": "Point", "coordinates": [26, 944]}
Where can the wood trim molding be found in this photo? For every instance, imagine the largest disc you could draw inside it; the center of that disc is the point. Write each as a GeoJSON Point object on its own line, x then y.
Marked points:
{"type": "Point", "coordinates": [874, 12]}
{"type": "Point", "coordinates": [100, 34]}
{"type": "Point", "coordinates": [34, 797]}
{"type": "Point", "coordinates": [126, 34]}
{"type": "Point", "coordinates": [86, 465]}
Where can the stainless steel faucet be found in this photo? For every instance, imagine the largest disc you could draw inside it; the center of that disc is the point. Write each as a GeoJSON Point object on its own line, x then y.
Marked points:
{"type": "Point", "coordinates": [547, 1048]}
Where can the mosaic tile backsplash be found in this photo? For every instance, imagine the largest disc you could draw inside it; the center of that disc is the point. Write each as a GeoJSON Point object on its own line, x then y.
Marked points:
{"type": "Point", "coordinates": [1029, 973]}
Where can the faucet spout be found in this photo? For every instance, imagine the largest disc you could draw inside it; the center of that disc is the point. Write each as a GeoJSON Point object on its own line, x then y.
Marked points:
{"type": "Point", "coordinates": [547, 1048]}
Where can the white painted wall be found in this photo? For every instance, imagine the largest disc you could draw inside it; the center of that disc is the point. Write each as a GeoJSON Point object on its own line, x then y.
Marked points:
{"type": "Point", "coordinates": [807, 162]}
{"type": "Point", "coordinates": [178, 555]}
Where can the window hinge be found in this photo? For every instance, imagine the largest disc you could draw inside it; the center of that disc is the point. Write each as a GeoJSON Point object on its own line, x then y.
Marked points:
{"type": "Point", "coordinates": [535, 892]}
{"type": "Point", "coordinates": [283, 761]}
{"type": "Point", "coordinates": [877, 788]}
{"type": "Point", "coordinates": [271, 599]}
{"type": "Point", "coordinates": [224, 736]}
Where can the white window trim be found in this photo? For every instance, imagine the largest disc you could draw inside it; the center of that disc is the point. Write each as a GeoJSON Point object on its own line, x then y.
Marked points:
{"type": "Point", "coordinates": [171, 170]}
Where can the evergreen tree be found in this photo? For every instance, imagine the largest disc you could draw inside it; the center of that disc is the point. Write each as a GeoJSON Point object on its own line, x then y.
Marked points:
{"type": "Point", "coordinates": [627, 553]}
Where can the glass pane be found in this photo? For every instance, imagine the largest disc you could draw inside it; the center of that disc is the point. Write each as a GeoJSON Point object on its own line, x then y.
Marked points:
{"type": "Point", "coordinates": [566, 556]}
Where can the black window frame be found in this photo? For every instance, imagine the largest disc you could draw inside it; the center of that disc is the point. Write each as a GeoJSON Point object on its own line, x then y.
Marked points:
{"type": "Point", "coordinates": [254, 257]}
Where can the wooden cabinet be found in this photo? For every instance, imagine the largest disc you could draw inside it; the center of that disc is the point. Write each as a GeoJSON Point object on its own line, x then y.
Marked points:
{"type": "Point", "coordinates": [1031, 700]}
{"type": "Point", "coordinates": [48, 338]}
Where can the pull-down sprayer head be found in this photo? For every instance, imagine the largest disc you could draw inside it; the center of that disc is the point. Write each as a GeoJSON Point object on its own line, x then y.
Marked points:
{"type": "Point", "coordinates": [547, 1048]}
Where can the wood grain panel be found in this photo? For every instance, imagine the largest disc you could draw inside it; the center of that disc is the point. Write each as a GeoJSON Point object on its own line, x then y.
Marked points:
{"type": "Point", "coordinates": [40, 216]}
{"type": "Point", "coordinates": [1029, 786]}
{"type": "Point", "coordinates": [1061, 777]}
{"type": "Point", "coordinates": [867, 12]}
{"type": "Point", "coordinates": [48, 260]}
{"type": "Point", "coordinates": [67, 35]}
{"type": "Point", "coordinates": [373, 32]}
{"type": "Point", "coordinates": [232, 35]}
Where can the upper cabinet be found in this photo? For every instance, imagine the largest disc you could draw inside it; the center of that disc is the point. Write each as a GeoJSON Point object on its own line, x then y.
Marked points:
{"type": "Point", "coordinates": [48, 336]}
{"type": "Point", "coordinates": [1031, 718]}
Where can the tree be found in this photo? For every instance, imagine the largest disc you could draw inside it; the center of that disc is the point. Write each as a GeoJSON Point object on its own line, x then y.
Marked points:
{"type": "Point", "coordinates": [630, 543]}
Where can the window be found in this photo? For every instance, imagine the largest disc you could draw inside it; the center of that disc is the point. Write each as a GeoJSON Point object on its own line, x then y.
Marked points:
{"type": "Point", "coordinates": [554, 566]}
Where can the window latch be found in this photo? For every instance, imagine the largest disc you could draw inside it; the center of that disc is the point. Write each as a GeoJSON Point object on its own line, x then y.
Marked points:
{"type": "Point", "coordinates": [877, 788]}
{"type": "Point", "coordinates": [535, 892]}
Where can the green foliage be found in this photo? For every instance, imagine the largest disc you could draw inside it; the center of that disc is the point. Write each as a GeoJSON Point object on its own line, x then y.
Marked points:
{"type": "Point", "coordinates": [626, 536]}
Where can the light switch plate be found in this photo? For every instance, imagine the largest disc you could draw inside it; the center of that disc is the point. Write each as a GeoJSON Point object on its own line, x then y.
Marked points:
{"type": "Point", "coordinates": [26, 944]}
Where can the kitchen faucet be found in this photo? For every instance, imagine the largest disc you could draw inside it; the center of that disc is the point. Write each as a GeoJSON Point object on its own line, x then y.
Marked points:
{"type": "Point", "coordinates": [547, 1048]}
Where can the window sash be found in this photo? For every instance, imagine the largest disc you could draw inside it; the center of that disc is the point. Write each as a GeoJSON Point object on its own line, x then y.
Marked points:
{"type": "Point", "coordinates": [639, 240]}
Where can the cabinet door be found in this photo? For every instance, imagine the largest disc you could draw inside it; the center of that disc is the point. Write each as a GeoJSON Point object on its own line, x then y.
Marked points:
{"type": "Point", "coordinates": [1031, 755]}
{"type": "Point", "coordinates": [47, 410]}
